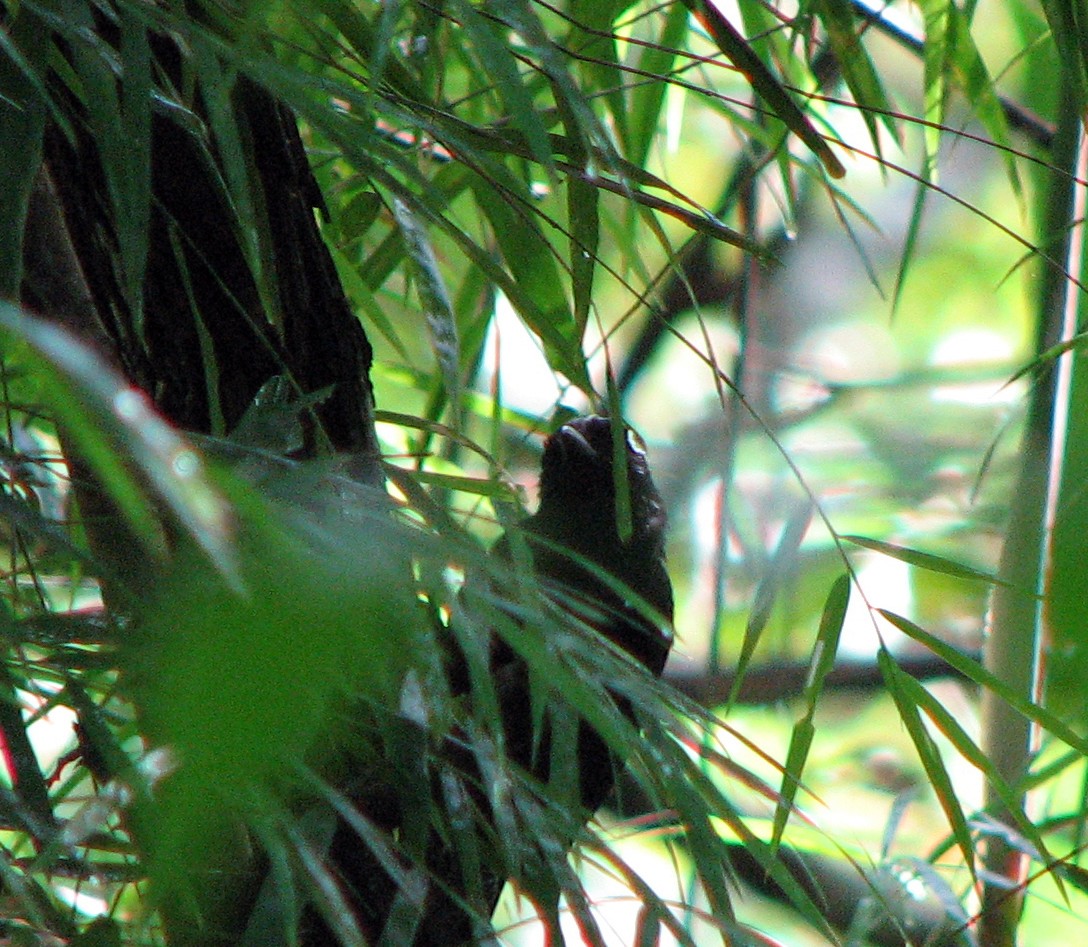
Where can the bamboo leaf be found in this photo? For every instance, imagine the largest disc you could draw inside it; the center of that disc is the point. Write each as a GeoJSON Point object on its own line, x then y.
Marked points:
{"type": "Point", "coordinates": [23, 109]}
{"type": "Point", "coordinates": [767, 592]}
{"type": "Point", "coordinates": [928, 754]}
{"type": "Point", "coordinates": [582, 210]}
{"type": "Point", "coordinates": [978, 87]}
{"type": "Point", "coordinates": [924, 560]}
{"type": "Point", "coordinates": [741, 54]}
{"type": "Point", "coordinates": [593, 40]}
{"type": "Point", "coordinates": [530, 259]}
{"type": "Point", "coordinates": [937, 14]}
{"type": "Point", "coordinates": [100, 411]}
{"type": "Point", "coordinates": [974, 755]}
{"type": "Point", "coordinates": [844, 34]}
{"type": "Point", "coordinates": [433, 296]}
{"type": "Point", "coordinates": [824, 652]}
{"type": "Point", "coordinates": [593, 146]}
{"type": "Point", "coordinates": [369, 47]}
{"type": "Point", "coordinates": [647, 99]}
{"type": "Point", "coordinates": [974, 671]}
{"type": "Point", "coordinates": [910, 241]}
{"type": "Point", "coordinates": [499, 62]}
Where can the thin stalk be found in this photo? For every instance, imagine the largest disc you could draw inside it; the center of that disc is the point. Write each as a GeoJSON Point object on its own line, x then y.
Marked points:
{"type": "Point", "coordinates": [1014, 647]}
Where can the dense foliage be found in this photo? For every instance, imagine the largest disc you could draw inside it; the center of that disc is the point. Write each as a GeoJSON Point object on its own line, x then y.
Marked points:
{"type": "Point", "coordinates": [294, 289]}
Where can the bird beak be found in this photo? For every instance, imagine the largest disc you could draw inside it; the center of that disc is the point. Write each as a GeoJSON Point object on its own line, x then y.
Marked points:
{"type": "Point", "coordinates": [571, 443]}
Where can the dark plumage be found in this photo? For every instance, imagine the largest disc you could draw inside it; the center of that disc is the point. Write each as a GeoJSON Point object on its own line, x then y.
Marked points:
{"type": "Point", "coordinates": [578, 512]}
{"type": "Point", "coordinates": [572, 538]}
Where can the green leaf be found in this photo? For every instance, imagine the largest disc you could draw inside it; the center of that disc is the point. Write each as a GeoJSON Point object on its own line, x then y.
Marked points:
{"type": "Point", "coordinates": [245, 684]}
{"type": "Point", "coordinates": [974, 671]}
{"type": "Point", "coordinates": [23, 108]}
{"type": "Point", "coordinates": [778, 569]}
{"type": "Point", "coordinates": [911, 239]}
{"type": "Point", "coordinates": [28, 782]}
{"type": "Point", "coordinates": [127, 443]}
{"type": "Point", "coordinates": [435, 299]}
{"type": "Point", "coordinates": [530, 259]}
{"type": "Point", "coordinates": [824, 653]}
{"type": "Point", "coordinates": [741, 54]}
{"type": "Point", "coordinates": [978, 87]}
{"type": "Point", "coordinates": [370, 45]}
{"type": "Point", "coordinates": [582, 210]}
{"type": "Point", "coordinates": [592, 145]}
{"type": "Point", "coordinates": [496, 55]}
{"type": "Point", "coordinates": [936, 52]}
{"type": "Point", "coordinates": [844, 34]}
{"type": "Point", "coordinates": [970, 751]}
{"type": "Point", "coordinates": [928, 753]}
{"type": "Point", "coordinates": [656, 59]}
{"type": "Point", "coordinates": [924, 560]}
{"type": "Point", "coordinates": [593, 40]}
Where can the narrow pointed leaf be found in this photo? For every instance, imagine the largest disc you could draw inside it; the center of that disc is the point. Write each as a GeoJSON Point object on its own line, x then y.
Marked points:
{"type": "Point", "coordinates": [435, 299]}
{"type": "Point", "coordinates": [823, 660]}
{"type": "Point", "coordinates": [974, 671]}
{"type": "Point", "coordinates": [100, 410]}
{"type": "Point", "coordinates": [929, 755]}
{"type": "Point", "coordinates": [741, 54]}
{"type": "Point", "coordinates": [924, 560]}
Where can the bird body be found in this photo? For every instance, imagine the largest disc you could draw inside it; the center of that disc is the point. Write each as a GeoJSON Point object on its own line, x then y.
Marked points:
{"type": "Point", "coordinates": [615, 584]}
{"type": "Point", "coordinates": [579, 520]}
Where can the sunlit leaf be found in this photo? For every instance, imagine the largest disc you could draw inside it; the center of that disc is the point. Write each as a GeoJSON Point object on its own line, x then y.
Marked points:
{"type": "Point", "coordinates": [937, 53]}
{"type": "Point", "coordinates": [974, 671]}
{"type": "Point", "coordinates": [844, 33]}
{"type": "Point", "coordinates": [970, 751]}
{"type": "Point", "coordinates": [741, 54]}
{"type": "Point", "coordinates": [929, 755]}
{"type": "Point", "coordinates": [824, 653]}
{"type": "Point", "coordinates": [923, 560]}
{"type": "Point", "coordinates": [778, 569]}
{"type": "Point", "coordinates": [499, 61]}
{"type": "Point", "coordinates": [647, 99]}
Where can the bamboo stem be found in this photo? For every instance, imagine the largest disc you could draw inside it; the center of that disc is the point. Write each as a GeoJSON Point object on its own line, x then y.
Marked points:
{"type": "Point", "coordinates": [1013, 651]}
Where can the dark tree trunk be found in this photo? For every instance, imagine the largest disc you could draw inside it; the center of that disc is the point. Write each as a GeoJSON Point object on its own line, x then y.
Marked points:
{"type": "Point", "coordinates": [207, 337]}
{"type": "Point", "coordinates": [210, 329]}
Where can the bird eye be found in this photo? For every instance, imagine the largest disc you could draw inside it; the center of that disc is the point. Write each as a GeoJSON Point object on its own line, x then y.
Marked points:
{"type": "Point", "coordinates": [635, 444]}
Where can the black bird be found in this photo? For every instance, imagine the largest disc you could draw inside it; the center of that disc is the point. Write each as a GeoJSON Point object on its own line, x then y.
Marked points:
{"type": "Point", "coordinates": [572, 539]}
{"type": "Point", "coordinates": [578, 514]}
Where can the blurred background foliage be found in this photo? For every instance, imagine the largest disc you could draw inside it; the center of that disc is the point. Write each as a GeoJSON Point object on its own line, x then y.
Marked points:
{"type": "Point", "coordinates": [819, 254]}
